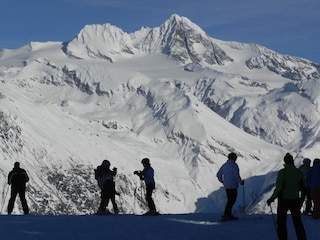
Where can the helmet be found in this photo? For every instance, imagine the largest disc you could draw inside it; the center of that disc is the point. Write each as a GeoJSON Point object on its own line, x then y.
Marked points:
{"type": "Point", "coordinates": [145, 161]}
{"type": "Point", "coordinates": [106, 163]}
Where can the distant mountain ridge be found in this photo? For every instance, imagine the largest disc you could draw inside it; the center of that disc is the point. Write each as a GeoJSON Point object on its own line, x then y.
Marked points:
{"type": "Point", "coordinates": [171, 93]}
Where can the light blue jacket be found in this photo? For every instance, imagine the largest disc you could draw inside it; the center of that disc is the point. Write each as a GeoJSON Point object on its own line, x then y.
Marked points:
{"type": "Point", "coordinates": [229, 174]}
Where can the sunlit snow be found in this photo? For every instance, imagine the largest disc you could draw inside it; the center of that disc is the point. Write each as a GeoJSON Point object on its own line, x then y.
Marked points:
{"type": "Point", "coordinates": [65, 107]}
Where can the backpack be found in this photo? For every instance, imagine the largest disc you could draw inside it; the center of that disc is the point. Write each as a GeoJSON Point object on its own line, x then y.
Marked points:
{"type": "Point", "coordinates": [98, 172]}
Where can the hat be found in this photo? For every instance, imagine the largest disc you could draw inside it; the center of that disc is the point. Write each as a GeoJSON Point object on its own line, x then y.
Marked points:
{"type": "Point", "coordinates": [288, 159]}
{"type": "Point", "coordinates": [145, 161]}
{"type": "Point", "coordinates": [307, 160]}
{"type": "Point", "coordinates": [232, 156]}
{"type": "Point", "coordinates": [316, 161]}
{"type": "Point", "coordinates": [106, 163]}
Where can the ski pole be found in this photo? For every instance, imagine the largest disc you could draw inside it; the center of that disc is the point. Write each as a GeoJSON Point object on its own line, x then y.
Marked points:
{"type": "Point", "coordinates": [243, 202]}
{"type": "Point", "coordinates": [141, 186]}
{"type": "Point", "coordinates": [274, 221]}
{"type": "Point", "coordinates": [134, 199]}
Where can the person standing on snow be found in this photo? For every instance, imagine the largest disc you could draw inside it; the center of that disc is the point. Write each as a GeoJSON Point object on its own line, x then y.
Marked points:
{"type": "Point", "coordinates": [306, 194]}
{"type": "Point", "coordinates": [229, 176]}
{"type": "Point", "coordinates": [147, 174]}
{"type": "Point", "coordinates": [105, 178]}
{"type": "Point", "coordinates": [314, 178]}
{"type": "Point", "coordinates": [18, 178]}
{"type": "Point", "coordinates": [289, 183]}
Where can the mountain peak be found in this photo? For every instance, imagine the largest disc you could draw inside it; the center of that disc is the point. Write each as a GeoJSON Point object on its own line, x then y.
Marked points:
{"type": "Point", "coordinates": [187, 42]}
{"type": "Point", "coordinates": [99, 42]}
{"type": "Point", "coordinates": [181, 21]}
{"type": "Point", "coordinates": [177, 37]}
{"type": "Point", "coordinates": [175, 18]}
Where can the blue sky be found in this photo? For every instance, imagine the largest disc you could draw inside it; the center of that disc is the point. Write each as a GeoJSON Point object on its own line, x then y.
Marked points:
{"type": "Point", "coordinates": [286, 26]}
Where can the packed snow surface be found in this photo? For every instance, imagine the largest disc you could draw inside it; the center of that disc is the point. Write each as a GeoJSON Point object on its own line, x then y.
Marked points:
{"type": "Point", "coordinates": [165, 227]}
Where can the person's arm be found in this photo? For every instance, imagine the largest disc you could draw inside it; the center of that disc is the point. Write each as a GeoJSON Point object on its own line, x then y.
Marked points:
{"type": "Point", "coordinates": [140, 174]}
{"type": "Point", "coordinates": [10, 178]}
{"type": "Point", "coordinates": [27, 177]}
{"type": "Point", "coordinates": [237, 175]}
{"type": "Point", "coordinates": [278, 189]}
{"type": "Point", "coordinates": [220, 175]}
{"type": "Point", "coordinates": [114, 171]}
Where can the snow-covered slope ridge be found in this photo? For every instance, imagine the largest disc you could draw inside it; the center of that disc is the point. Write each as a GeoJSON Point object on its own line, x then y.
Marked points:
{"type": "Point", "coordinates": [171, 93]}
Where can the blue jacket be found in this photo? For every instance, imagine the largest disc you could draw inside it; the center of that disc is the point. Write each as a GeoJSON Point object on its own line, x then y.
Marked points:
{"type": "Point", "coordinates": [313, 176]}
{"type": "Point", "coordinates": [148, 175]}
{"type": "Point", "coordinates": [229, 174]}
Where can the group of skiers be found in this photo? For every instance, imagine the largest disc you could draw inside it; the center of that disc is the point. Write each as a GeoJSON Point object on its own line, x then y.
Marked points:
{"type": "Point", "coordinates": [18, 178]}
{"type": "Point", "coordinates": [294, 186]}
{"type": "Point", "coordinates": [105, 179]}
{"type": "Point", "coordinates": [311, 195]}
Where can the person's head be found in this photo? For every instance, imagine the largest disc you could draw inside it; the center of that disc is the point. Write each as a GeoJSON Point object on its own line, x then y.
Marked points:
{"type": "Point", "coordinates": [16, 165]}
{"type": "Point", "coordinates": [145, 162]}
{"type": "Point", "coordinates": [288, 159]}
{"type": "Point", "coordinates": [316, 161]}
{"type": "Point", "coordinates": [106, 164]}
{"type": "Point", "coordinates": [307, 161]}
{"type": "Point", "coordinates": [232, 156]}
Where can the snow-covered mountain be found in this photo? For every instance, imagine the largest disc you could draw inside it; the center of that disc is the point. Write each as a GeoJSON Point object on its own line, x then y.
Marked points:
{"type": "Point", "coordinates": [170, 93]}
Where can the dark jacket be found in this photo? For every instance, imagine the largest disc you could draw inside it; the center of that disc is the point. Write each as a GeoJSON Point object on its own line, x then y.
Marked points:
{"type": "Point", "coordinates": [290, 182]}
{"type": "Point", "coordinates": [105, 175]}
{"type": "Point", "coordinates": [18, 177]}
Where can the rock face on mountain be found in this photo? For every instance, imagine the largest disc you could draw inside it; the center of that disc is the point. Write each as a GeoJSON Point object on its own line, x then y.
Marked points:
{"type": "Point", "coordinates": [171, 93]}
{"type": "Point", "coordinates": [178, 38]}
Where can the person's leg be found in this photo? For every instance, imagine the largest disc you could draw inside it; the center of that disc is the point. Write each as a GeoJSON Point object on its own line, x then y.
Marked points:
{"type": "Point", "coordinates": [113, 198]}
{"type": "Point", "coordinates": [103, 202]}
{"type": "Point", "coordinates": [294, 208]}
{"type": "Point", "coordinates": [114, 204]}
{"type": "Point", "coordinates": [22, 195]}
{"type": "Point", "coordinates": [282, 219]}
{"type": "Point", "coordinates": [232, 197]}
{"type": "Point", "coordinates": [12, 199]}
{"type": "Point", "coordinates": [149, 190]}
{"type": "Point", "coordinates": [315, 193]}
{"type": "Point", "coordinates": [303, 200]}
{"type": "Point", "coordinates": [308, 201]}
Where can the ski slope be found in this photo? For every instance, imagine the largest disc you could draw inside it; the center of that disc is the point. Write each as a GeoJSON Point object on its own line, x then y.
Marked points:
{"type": "Point", "coordinates": [164, 227]}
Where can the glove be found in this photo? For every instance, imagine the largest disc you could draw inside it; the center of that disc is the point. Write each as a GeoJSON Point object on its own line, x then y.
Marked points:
{"type": "Point", "coordinates": [136, 172]}
{"type": "Point", "coordinates": [269, 201]}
